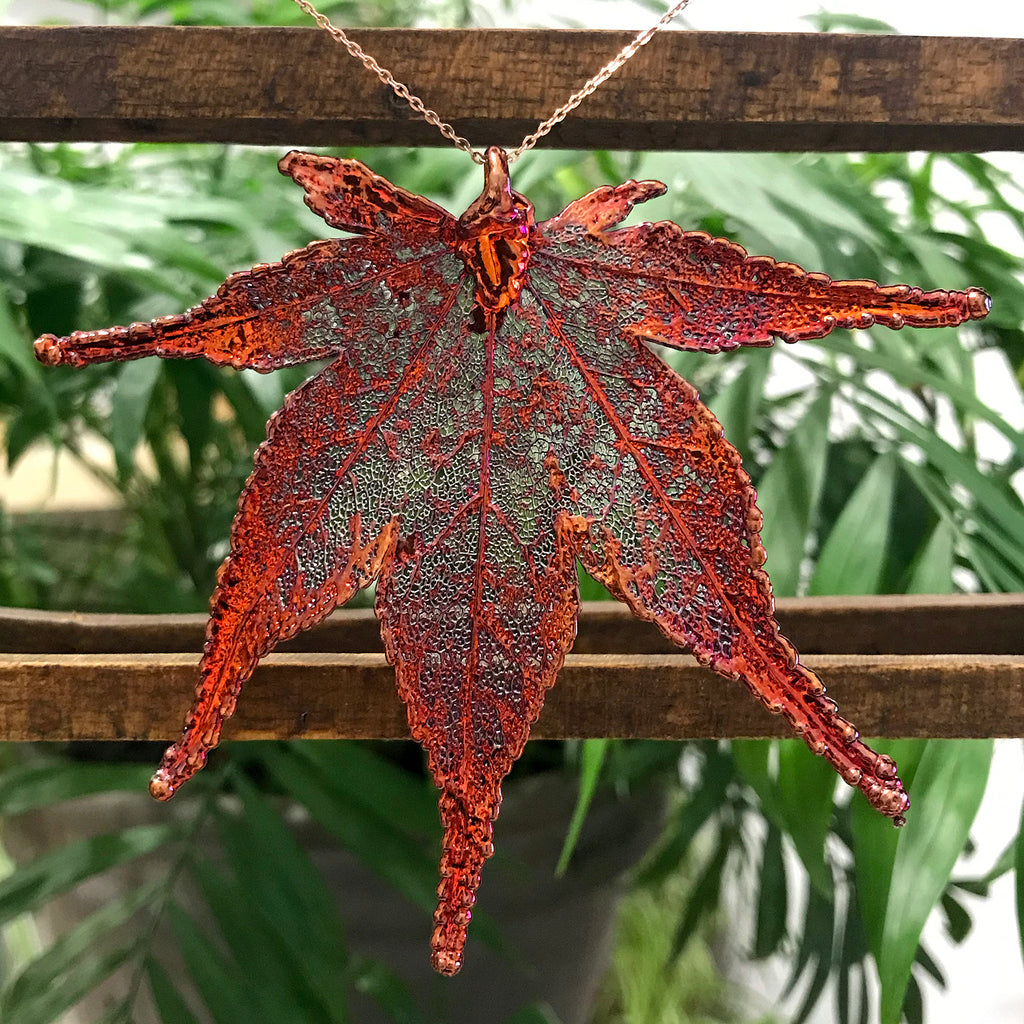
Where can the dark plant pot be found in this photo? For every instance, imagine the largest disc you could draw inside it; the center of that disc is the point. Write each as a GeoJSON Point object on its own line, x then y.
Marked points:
{"type": "Point", "coordinates": [558, 931]}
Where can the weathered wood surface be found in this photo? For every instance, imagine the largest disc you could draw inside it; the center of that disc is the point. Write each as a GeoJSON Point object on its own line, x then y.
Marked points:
{"type": "Point", "coordinates": [320, 696]}
{"type": "Point", "coordinates": [891, 624]}
{"type": "Point", "coordinates": [685, 90]}
{"type": "Point", "coordinates": [632, 689]}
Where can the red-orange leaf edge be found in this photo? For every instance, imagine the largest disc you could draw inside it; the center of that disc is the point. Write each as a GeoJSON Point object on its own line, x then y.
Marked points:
{"type": "Point", "coordinates": [492, 415]}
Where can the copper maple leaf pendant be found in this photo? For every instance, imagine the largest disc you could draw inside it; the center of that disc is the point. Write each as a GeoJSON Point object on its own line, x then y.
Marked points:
{"type": "Point", "coordinates": [492, 414]}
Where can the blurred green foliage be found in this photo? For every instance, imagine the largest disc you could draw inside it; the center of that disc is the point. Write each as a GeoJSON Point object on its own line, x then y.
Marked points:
{"type": "Point", "coordinates": [885, 463]}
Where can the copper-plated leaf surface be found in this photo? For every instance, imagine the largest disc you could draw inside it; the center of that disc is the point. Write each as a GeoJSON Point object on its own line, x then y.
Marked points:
{"type": "Point", "coordinates": [492, 415]}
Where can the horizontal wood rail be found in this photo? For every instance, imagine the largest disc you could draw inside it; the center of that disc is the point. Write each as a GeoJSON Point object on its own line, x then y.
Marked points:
{"type": "Point", "coordinates": [948, 666]}
{"type": "Point", "coordinates": [909, 666]}
{"type": "Point", "coordinates": [686, 90]}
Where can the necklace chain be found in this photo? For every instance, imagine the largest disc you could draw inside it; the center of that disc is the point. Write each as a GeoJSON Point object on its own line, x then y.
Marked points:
{"type": "Point", "coordinates": [432, 117]}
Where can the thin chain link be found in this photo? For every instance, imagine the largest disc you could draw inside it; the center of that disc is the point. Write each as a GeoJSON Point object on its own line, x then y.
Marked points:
{"type": "Point", "coordinates": [431, 117]}
{"type": "Point", "coordinates": [428, 115]}
{"type": "Point", "coordinates": [599, 79]}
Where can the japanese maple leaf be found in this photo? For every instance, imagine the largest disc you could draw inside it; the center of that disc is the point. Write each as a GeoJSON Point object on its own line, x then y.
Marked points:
{"type": "Point", "coordinates": [493, 414]}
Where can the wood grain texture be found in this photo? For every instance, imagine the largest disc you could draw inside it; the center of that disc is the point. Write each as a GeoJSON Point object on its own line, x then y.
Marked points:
{"type": "Point", "coordinates": [891, 624]}
{"type": "Point", "coordinates": [899, 666]}
{"type": "Point", "coordinates": [686, 90]}
{"type": "Point", "coordinates": [320, 696]}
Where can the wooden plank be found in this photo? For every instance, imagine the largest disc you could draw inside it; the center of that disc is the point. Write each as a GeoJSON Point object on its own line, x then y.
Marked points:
{"type": "Point", "coordinates": [686, 90]}
{"type": "Point", "coordinates": [891, 624]}
{"type": "Point", "coordinates": [317, 696]}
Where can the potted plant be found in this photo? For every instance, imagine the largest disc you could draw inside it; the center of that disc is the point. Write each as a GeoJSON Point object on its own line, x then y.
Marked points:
{"type": "Point", "coordinates": [821, 429]}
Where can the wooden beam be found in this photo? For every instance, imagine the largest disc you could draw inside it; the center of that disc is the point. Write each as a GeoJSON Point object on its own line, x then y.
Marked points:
{"type": "Point", "coordinates": [900, 666]}
{"type": "Point", "coordinates": [686, 90]}
{"type": "Point", "coordinates": [320, 696]}
{"type": "Point", "coordinates": [891, 624]}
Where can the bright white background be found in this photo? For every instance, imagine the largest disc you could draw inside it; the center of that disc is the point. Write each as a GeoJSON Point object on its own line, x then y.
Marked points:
{"type": "Point", "coordinates": [911, 17]}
